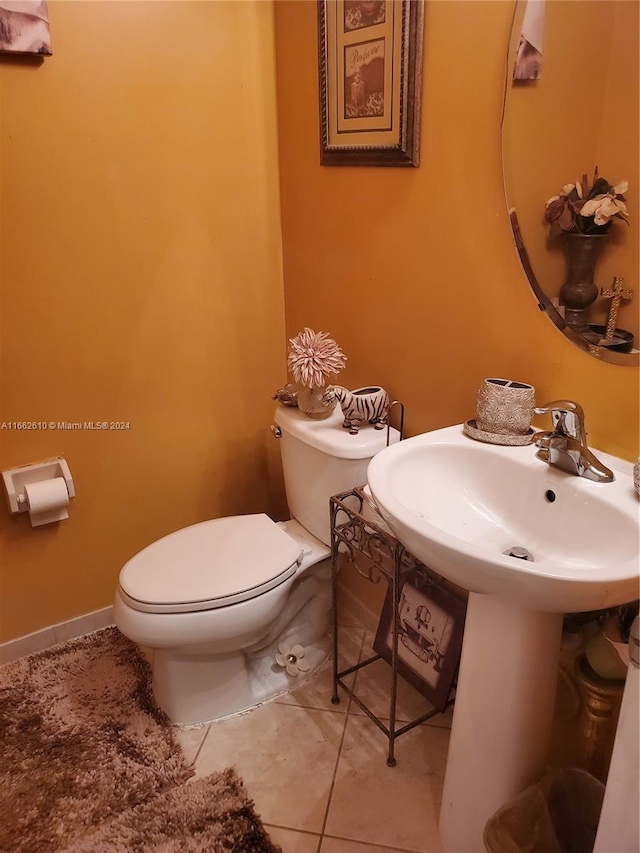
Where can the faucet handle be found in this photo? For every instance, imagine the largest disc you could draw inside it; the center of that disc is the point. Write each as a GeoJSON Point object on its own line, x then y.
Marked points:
{"type": "Point", "coordinates": [567, 418]}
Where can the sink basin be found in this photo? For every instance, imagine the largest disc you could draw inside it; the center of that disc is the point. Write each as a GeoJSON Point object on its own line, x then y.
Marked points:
{"type": "Point", "coordinates": [458, 504]}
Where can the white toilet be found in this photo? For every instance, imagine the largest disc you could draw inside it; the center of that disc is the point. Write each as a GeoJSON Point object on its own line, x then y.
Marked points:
{"type": "Point", "coordinates": [214, 600]}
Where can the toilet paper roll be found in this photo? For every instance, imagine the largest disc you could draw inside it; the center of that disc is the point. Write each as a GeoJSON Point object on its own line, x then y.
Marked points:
{"type": "Point", "coordinates": [47, 501]}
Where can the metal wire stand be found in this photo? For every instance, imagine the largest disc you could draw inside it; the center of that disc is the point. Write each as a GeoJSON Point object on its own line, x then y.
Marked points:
{"type": "Point", "coordinates": [387, 558]}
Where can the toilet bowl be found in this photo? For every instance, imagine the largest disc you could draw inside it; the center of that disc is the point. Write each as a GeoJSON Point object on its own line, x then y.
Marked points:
{"type": "Point", "coordinates": [214, 600]}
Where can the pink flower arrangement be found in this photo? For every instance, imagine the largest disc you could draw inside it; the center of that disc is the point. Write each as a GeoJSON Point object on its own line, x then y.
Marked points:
{"type": "Point", "coordinates": [312, 357]}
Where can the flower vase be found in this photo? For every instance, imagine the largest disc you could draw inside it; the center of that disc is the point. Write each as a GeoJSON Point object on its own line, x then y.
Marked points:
{"type": "Point", "coordinates": [317, 402]}
{"type": "Point", "coordinates": [580, 291]}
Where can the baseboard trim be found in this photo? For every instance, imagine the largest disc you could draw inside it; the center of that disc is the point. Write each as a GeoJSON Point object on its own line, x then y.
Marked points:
{"type": "Point", "coordinates": [60, 633]}
{"type": "Point", "coordinates": [351, 609]}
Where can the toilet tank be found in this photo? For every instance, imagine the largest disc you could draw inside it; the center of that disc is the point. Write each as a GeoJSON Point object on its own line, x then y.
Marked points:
{"type": "Point", "coordinates": [319, 459]}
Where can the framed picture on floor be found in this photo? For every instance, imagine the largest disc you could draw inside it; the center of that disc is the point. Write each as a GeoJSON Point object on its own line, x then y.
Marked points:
{"type": "Point", "coordinates": [430, 631]}
{"type": "Point", "coordinates": [370, 62]}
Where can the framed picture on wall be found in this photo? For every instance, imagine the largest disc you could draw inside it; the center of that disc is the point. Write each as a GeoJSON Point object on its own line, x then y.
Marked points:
{"type": "Point", "coordinates": [370, 62]}
{"type": "Point", "coordinates": [430, 631]}
{"type": "Point", "coordinates": [24, 27]}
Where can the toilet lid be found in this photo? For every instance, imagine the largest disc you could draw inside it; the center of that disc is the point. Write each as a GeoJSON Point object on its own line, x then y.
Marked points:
{"type": "Point", "coordinates": [209, 565]}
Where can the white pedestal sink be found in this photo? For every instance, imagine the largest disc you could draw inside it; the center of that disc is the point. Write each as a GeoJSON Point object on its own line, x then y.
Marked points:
{"type": "Point", "coordinates": [458, 505]}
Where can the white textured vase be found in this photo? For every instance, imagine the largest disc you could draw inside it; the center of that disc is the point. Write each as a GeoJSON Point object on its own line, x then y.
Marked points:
{"type": "Point", "coordinates": [317, 403]}
{"type": "Point", "coordinates": [505, 407]}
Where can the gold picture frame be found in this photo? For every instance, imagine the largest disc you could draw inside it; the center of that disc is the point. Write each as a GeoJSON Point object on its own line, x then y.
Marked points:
{"type": "Point", "coordinates": [370, 65]}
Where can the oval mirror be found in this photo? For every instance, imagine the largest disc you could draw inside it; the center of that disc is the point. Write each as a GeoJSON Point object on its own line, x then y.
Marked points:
{"type": "Point", "coordinates": [571, 105]}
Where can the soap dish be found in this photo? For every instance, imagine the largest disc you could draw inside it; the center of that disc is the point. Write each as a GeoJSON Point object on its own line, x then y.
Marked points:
{"type": "Point", "coordinates": [472, 431]}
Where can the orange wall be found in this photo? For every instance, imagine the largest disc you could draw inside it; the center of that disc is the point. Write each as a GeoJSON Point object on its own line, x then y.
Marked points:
{"type": "Point", "coordinates": [142, 271]}
{"type": "Point", "coordinates": [414, 270]}
{"type": "Point", "coordinates": [141, 282]}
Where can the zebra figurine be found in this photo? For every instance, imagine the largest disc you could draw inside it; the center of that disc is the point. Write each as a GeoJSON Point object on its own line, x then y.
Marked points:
{"type": "Point", "coordinates": [363, 405]}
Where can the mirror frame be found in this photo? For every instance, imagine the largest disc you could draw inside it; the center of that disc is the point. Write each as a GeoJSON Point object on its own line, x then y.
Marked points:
{"type": "Point", "coordinates": [625, 359]}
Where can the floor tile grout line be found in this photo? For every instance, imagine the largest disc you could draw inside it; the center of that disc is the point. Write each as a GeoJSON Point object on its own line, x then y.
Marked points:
{"type": "Point", "coordinates": [344, 731]}
{"type": "Point", "coordinates": [291, 829]}
{"type": "Point", "coordinates": [311, 707]}
{"type": "Point", "coordinates": [206, 735]}
{"type": "Point", "coordinates": [373, 844]}
{"type": "Point", "coordinates": [352, 708]}
{"type": "Point", "coordinates": [333, 777]}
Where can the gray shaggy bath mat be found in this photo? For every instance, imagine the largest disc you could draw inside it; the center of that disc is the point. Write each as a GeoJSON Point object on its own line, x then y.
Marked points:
{"type": "Point", "coordinates": [89, 763]}
{"type": "Point", "coordinates": [213, 814]}
{"type": "Point", "coordinates": [81, 739]}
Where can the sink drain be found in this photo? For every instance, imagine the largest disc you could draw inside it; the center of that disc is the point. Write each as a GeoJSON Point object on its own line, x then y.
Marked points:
{"type": "Point", "coordinates": [519, 553]}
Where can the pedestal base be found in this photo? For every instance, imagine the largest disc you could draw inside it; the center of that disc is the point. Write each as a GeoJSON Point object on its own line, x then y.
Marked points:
{"type": "Point", "coordinates": [503, 714]}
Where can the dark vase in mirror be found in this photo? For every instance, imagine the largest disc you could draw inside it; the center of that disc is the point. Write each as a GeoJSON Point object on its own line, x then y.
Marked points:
{"type": "Point", "coordinates": [580, 291]}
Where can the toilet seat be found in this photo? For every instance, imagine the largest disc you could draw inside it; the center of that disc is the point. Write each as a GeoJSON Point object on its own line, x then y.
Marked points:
{"type": "Point", "coordinates": [210, 565]}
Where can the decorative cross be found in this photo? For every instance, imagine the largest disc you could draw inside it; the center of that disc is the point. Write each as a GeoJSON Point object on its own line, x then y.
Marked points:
{"type": "Point", "coordinates": [616, 293]}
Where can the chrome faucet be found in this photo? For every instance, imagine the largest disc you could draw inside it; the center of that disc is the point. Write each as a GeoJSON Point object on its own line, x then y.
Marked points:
{"type": "Point", "coordinates": [565, 446]}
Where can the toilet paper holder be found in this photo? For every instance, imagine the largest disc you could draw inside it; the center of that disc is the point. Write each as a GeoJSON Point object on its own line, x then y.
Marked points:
{"type": "Point", "coordinates": [15, 480]}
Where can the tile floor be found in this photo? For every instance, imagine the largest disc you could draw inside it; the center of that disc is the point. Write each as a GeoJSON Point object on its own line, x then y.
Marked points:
{"type": "Point", "coordinates": [317, 772]}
